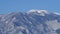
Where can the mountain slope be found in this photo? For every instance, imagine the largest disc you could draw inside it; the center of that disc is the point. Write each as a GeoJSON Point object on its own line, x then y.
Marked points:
{"type": "Point", "coordinates": [31, 22]}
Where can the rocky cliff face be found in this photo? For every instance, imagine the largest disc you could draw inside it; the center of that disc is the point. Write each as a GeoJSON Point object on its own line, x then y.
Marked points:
{"type": "Point", "coordinates": [31, 22]}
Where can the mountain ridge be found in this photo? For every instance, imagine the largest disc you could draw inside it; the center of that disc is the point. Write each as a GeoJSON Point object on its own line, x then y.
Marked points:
{"type": "Point", "coordinates": [30, 23]}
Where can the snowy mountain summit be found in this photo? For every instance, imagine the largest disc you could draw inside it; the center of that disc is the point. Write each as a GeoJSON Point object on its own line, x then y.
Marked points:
{"type": "Point", "coordinates": [41, 12]}
{"type": "Point", "coordinates": [38, 11]}
{"type": "Point", "coordinates": [31, 22]}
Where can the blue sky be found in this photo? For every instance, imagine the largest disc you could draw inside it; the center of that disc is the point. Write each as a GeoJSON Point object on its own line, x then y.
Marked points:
{"type": "Point", "coordinates": [25, 5]}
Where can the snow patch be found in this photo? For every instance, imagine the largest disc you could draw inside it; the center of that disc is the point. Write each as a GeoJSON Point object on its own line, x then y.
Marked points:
{"type": "Point", "coordinates": [56, 13]}
{"type": "Point", "coordinates": [53, 24]}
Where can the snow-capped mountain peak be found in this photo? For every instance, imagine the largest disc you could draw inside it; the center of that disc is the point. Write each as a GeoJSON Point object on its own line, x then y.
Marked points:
{"type": "Point", "coordinates": [38, 11]}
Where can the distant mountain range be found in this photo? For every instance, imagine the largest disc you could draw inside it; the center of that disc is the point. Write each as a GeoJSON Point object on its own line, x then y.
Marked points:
{"type": "Point", "coordinates": [31, 22]}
